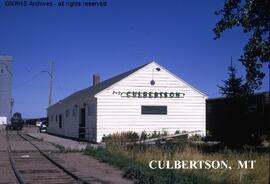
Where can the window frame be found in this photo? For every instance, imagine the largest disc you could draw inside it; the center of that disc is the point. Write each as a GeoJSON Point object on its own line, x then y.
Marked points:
{"type": "Point", "coordinates": [60, 122]}
{"type": "Point", "coordinates": [149, 111]}
{"type": "Point", "coordinates": [88, 110]}
{"type": "Point", "coordinates": [74, 112]}
{"type": "Point", "coordinates": [67, 113]}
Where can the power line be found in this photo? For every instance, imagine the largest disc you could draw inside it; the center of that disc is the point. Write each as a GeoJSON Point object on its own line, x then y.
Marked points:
{"type": "Point", "coordinates": [60, 88]}
{"type": "Point", "coordinates": [23, 83]}
{"type": "Point", "coordinates": [45, 87]}
{"type": "Point", "coordinates": [18, 102]}
{"type": "Point", "coordinates": [27, 81]}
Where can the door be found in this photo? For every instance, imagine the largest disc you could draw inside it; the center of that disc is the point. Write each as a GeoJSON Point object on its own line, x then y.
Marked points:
{"type": "Point", "coordinates": [82, 124]}
{"type": "Point", "coordinates": [60, 120]}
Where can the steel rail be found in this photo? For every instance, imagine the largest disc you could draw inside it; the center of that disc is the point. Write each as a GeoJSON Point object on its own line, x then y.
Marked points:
{"type": "Point", "coordinates": [78, 179]}
{"type": "Point", "coordinates": [12, 163]}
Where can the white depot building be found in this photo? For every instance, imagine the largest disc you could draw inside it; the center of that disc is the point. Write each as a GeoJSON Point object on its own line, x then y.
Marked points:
{"type": "Point", "coordinates": [5, 89]}
{"type": "Point", "coordinates": [148, 98]}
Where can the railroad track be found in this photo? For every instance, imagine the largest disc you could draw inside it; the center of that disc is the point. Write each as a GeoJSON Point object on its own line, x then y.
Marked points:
{"type": "Point", "coordinates": [32, 165]}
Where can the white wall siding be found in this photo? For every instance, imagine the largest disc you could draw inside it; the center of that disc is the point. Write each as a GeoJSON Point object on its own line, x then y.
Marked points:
{"type": "Point", "coordinates": [111, 112]}
{"type": "Point", "coordinates": [116, 113]}
{"type": "Point", "coordinates": [70, 124]}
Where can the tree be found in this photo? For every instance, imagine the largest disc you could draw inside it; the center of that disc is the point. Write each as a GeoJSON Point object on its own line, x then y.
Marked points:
{"type": "Point", "coordinates": [254, 18]}
{"type": "Point", "coordinates": [235, 110]}
{"type": "Point", "coordinates": [233, 86]}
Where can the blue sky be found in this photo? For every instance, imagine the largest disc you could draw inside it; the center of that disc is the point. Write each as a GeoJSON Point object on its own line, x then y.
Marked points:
{"type": "Point", "coordinates": [110, 40]}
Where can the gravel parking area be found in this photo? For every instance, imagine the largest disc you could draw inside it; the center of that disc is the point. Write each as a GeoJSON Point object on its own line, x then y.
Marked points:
{"type": "Point", "coordinates": [66, 143]}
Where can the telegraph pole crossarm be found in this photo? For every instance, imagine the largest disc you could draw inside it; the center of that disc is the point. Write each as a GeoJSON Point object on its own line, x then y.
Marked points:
{"type": "Point", "coordinates": [50, 84]}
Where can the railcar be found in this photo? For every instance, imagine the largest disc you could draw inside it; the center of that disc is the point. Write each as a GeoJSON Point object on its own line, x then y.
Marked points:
{"type": "Point", "coordinates": [16, 122]}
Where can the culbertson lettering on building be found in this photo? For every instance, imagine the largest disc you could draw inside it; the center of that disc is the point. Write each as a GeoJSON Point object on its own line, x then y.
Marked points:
{"type": "Point", "coordinates": [145, 94]}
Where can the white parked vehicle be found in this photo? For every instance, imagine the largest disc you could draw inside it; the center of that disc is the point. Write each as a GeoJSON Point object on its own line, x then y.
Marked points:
{"type": "Point", "coordinates": [43, 128]}
{"type": "Point", "coordinates": [38, 123]}
{"type": "Point", "coordinates": [3, 120]}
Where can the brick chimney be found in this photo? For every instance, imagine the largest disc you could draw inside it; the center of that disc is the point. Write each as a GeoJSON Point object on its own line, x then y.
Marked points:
{"type": "Point", "coordinates": [96, 79]}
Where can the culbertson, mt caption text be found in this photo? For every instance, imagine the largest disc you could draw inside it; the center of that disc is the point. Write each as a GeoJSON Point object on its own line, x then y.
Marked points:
{"type": "Point", "coordinates": [200, 164]}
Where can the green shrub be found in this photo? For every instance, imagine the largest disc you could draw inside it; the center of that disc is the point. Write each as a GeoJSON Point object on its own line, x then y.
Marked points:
{"type": "Point", "coordinates": [121, 137]}
{"type": "Point", "coordinates": [141, 173]}
{"type": "Point", "coordinates": [157, 134]}
{"type": "Point", "coordinates": [143, 136]}
{"type": "Point", "coordinates": [195, 137]}
{"type": "Point", "coordinates": [130, 136]}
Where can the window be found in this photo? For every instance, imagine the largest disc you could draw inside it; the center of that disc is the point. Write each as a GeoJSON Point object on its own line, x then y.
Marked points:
{"type": "Point", "coordinates": [55, 118]}
{"type": "Point", "coordinates": [91, 109]}
{"type": "Point", "coordinates": [60, 121]}
{"type": "Point", "coordinates": [155, 110]}
{"type": "Point", "coordinates": [74, 112]}
{"type": "Point", "coordinates": [48, 121]}
{"type": "Point", "coordinates": [67, 113]}
{"type": "Point", "coordinates": [88, 110]}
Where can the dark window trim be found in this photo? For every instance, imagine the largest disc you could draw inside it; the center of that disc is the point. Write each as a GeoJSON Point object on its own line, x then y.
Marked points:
{"type": "Point", "coordinates": [67, 113]}
{"type": "Point", "coordinates": [154, 110]}
{"type": "Point", "coordinates": [60, 122]}
{"type": "Point", "coordinates": [88, 110]}
{"type": "Point", "coordinates": [74, 112]}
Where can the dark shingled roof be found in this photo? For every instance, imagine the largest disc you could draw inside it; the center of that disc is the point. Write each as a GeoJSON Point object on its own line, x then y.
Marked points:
{"type": "Point", "coordinates": [91, 91]}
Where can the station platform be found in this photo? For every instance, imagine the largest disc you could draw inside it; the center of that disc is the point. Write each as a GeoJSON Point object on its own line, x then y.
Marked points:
{"type": "Point", "coordinates": [67, 144]}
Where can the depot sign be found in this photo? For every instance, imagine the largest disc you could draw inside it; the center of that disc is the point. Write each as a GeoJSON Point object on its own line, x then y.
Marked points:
{"type": "Point", "coordinates": [145, 94]}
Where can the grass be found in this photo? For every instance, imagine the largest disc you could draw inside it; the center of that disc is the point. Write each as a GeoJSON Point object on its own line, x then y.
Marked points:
{"type": "Point", "coordinates": [140, 173]}
{"type": "Point", "coordinates": [62, 149]}
{"type": "Point", "coordinates": [59, 147]}
{"type": "Point", "coordinates": [134, 160]}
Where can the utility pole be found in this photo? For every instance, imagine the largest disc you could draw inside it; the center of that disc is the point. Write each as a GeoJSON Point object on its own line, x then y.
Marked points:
{"type": "Point", "coordinates": [51, 79]}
